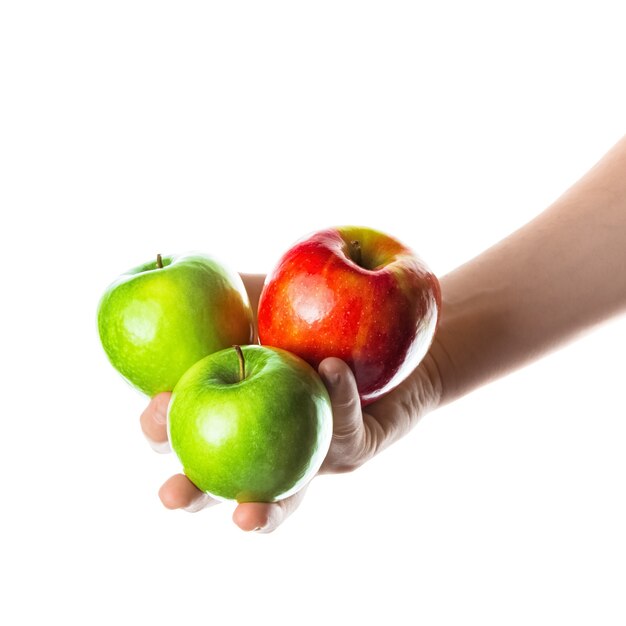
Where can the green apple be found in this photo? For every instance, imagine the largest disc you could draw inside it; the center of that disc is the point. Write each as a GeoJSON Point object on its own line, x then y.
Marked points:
{"type": "Point", "coordinates": [158, 319]}
{"type": "Point", "coordinates": [251, 424]}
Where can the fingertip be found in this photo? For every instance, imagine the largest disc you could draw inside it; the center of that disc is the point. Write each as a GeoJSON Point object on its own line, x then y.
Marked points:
{"type": "Point", "coordinates": [340, 382]}
{"type": "Point", "coordinates": [178, 492]}
{"type": "Point", "coordinates": [266, 517]}
{"type": "Point", "coordinates": [332, 369]}
{"type": "Point", "coordinates": [251, 516]}
{"type": "Point", "coordinates": [168, 497]}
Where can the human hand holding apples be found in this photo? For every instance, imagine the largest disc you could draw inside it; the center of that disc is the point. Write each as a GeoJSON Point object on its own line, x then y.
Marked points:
{"type": "Point", "coordinates": [350, 292]}
{"type": "Point", "coordinates": [357, 434]}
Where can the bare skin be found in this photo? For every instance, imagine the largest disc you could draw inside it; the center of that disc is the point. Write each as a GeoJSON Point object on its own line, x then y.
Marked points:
{"type": "Point", "coordinates": [560, 274]}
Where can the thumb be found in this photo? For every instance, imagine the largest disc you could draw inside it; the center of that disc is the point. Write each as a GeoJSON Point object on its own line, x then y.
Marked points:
{"type": "Point", "coordinates": [344, 397]}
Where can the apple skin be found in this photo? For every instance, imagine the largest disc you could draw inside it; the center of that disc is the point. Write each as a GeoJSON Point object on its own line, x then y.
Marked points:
{"type": "Point", "coordinates": [155, 323]}
{"type": "Point", "coordinates": [259, 439]}
{"type": "Point", "coordinates": [378, 313]}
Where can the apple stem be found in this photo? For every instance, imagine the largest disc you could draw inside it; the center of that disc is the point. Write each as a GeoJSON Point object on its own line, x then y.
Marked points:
{"type": "Point", "coordinates": [355, 252]}
{"type": "Point", "coordinates": [159, 261]}
{"type": "Point", "coordinates": [242, 363]}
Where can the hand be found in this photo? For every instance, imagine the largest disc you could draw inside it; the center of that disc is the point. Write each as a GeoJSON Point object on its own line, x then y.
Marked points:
{"type": "Point", "coordinates": [358, 434]}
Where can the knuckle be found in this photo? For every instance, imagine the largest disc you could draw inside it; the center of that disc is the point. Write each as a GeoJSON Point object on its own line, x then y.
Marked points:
{"type": "Point", "coordinates": [346, 404]}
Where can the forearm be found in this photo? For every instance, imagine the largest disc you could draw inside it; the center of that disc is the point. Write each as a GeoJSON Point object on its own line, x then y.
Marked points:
{"type": "Point", "coordinates": [555, 277]}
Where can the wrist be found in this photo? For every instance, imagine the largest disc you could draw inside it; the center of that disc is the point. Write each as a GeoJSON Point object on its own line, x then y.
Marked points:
{"type": "Point", "coordinates": [438, 366]}
{"type": "Point", "coordinates": [440, 361]}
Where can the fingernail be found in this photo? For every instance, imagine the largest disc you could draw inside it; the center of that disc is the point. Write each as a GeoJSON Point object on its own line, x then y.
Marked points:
{"type": "Point", "coordinates": [162, 447]}
{"type": "Point", "coordinates": [332, 378]}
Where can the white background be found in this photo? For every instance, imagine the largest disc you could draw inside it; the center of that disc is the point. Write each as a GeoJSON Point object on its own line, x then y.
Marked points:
{"type": "Point", "coordinates": [234, 128]}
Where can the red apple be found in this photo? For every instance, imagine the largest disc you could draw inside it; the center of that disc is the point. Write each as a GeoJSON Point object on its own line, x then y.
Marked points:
{"type": "Point", "coordinates": [357, 294]}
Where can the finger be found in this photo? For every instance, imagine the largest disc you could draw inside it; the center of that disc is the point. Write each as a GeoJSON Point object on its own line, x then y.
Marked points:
{"type": "Point", "coordinates": [254, 285]}
{"type": "Point", "coordinates": [154, 422]}
{"type": "Point", "coordinates": [344, 397]}
{"type": "Point", "coordinates": [265, 517]}
{"type": "Point", "coordinates": [178, 492]}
